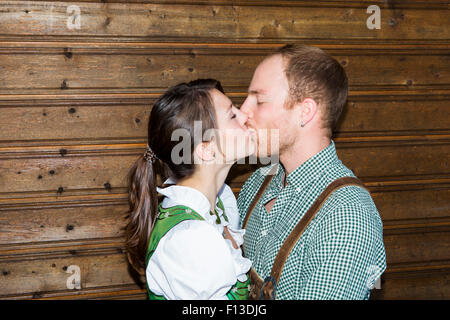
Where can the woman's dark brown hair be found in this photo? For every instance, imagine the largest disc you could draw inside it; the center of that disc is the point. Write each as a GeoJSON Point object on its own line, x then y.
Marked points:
{"type": "Point", "coordinates": [178, 108]}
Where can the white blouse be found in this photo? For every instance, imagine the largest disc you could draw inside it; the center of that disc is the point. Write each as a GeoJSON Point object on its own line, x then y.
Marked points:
{"type": "Point", "coordinates": [193, 260]}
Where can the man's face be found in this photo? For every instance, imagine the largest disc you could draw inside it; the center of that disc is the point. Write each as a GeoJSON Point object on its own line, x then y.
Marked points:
{"type": "Point", "coordinates": [265, 106]}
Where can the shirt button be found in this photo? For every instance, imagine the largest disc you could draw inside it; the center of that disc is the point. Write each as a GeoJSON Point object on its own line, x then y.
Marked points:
{"type": "Point", "coordinates": [264, 233]}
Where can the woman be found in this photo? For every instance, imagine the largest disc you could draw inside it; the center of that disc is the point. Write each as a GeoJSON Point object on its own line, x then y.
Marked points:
{"type": "Point", "coordinates": [188, 243]}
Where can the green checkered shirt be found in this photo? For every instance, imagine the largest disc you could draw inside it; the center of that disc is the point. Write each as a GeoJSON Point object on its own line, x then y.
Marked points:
{"type": "Point", "coordinates": [341, 253]}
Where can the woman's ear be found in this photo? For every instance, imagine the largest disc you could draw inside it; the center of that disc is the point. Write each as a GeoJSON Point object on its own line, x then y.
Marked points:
{"type": "Point", "coordinates": [205, 151]}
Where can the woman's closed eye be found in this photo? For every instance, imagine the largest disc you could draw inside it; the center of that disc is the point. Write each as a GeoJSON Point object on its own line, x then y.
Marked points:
{"type": "Point", "coordinates": [233, 113]}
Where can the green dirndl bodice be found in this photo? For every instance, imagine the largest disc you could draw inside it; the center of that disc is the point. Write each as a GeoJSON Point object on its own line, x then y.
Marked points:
{"type": "Point", "coordinates": [169, 218]}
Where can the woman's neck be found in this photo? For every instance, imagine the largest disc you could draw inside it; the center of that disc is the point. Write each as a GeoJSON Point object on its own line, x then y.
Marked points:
{"type": "Point", "coordinates": [208, 180]}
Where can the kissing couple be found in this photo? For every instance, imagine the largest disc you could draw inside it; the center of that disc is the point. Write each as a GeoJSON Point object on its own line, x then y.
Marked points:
{"type": "Point", "coordinates": [303, 227]}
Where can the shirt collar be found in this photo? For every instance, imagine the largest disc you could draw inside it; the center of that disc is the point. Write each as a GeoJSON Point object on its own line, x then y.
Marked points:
{"type": "Point", "coordinates": [185, 196]}
{"type": "Point", "coordinates": [276, 185]}
{"type": "Point", "coordinates": [189, 197]}
{"type": "Point", "coordinates": [312, 168]}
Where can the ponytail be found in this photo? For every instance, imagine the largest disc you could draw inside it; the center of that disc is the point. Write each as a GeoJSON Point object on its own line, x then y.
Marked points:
{"type": "Point", "coordinates": [143, 210]}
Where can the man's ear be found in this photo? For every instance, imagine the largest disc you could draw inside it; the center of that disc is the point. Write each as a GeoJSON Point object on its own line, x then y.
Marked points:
{"type": "Point", "coordinates": [308, 110]}
{"type": "Point", "coordinates": [205, 151]}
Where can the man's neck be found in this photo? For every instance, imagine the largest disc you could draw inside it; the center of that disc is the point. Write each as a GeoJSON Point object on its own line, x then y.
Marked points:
{"type": "Point", "coordinates": [302, 151]}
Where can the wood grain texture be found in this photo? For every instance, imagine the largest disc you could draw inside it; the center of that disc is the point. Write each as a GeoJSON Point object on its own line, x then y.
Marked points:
{"type": "Point", "coordinates": [49, 273]}
{"type": "Point", "coordinates": [61, 224]}
{"type": "Point", "coordinates": [74, 108]}
{"type": "Point", "coordinates": [160, 69]}
{"type": "Point", "coordinates": [80, 167]}
{"type": "Point", "coordinates": [424, 285]}
{"type": "Point", "coordinates": [370, 116]}
{"type": "Point", "coordinates": [224, 20]}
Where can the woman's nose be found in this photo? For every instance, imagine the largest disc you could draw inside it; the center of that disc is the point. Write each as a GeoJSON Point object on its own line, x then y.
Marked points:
{"type": "Point", "coordinates": [246, 108]}
{"type": "Point", "coordinates": [241, 117]}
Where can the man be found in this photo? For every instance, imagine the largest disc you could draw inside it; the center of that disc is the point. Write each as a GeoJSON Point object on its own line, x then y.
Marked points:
{"type": "Point", "coordinates": [300, 91]}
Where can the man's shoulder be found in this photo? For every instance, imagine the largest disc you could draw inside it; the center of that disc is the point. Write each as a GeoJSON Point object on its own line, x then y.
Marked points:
{"type": "Point", "coordinates": [348, 207]}
{"type": "Point", "coordinates": [349, 198]}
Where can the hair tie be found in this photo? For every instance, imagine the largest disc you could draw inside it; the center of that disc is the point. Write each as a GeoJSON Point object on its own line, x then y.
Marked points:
{"type": "Point", "coordinates": [150, 155]}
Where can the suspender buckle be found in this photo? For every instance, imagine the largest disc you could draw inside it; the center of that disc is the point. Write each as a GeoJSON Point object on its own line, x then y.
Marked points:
{"type": "Point", "coordinates": [268, 289]}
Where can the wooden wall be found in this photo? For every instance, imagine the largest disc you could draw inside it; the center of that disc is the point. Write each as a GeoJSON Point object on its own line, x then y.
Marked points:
{"type": "Point", "coordinates": [74, 104]}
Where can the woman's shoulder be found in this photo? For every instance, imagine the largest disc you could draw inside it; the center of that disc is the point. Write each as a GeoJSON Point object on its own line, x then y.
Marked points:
{"type": "Point", "coordinates": [227, 196]}
{"type": "Point", "coordinates": [226, 192]}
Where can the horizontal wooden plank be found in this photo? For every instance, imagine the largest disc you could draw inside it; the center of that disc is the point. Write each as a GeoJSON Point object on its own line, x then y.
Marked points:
{"type": "Point", "coordinates": [69, 198]}
{"type": "Point", "coordinates": [71, 48]}
{"type": "Point", "coordinates": [47, 275]}
{"type": "Point", "coordinates": [75, 168]}
{"type": "Point", "coordinates": [38, 227]}
{"type": "Point", "coordinates": [417, 247]}
{"type": "Point", "coordinates": [287, 3]}
{"type": "Point", "coordinates": [111, 293]}
{"type": "Point", "coordinates": [48, 147]}
{"type": "Point", "coordinates": [110, 120]}
{"type": "Point", "coordinates": [333, 46]}
{"type": "Point", "coordinates": [414, 286]}
{"type": "Point", "coordinates": [59, 224]}
{"type": "Point", "coordinates": [159, 70]}
{"type": "Point", "coordinates": [221, 21]}
{"type": "Point", "coordinates": [87, 122]}
{"type": "Point", "coordinates": [100, 167]}
{"type": "Point", "coordinates": [125, 292]}
{"type": "Point", "coordinates": [410, 204]}
{"type": "Point", "coordinates": [121, 71]}
{"type": "Point", "coordinates": [60, 248]}
{"type": "Point", "coordinates": [379, 161]}
{"type": "Point", "coordinates": [418, 286]}
{"type": "Point", "coordinates": [105, 96]}
{"type": "Point", "coordinates": [66, 172]}
{"type": "Point", "coordinates": [393, 116]}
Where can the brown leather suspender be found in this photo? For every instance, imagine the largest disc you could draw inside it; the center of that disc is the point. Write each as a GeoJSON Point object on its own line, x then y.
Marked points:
{"type": "Point", "coordinates": [267, 289]}
{"type": "Point", "coordinates": [258, 195]}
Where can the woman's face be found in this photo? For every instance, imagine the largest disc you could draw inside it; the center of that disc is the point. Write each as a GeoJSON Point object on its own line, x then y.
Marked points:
{"type": "Point", "coordinates": [236, 141]}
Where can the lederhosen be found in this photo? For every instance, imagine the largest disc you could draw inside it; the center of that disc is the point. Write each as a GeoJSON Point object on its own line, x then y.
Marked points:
{"type": "Point", "coordinates": [170, 217]}
{"type": "Point", "coordinates": [266, 289]}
